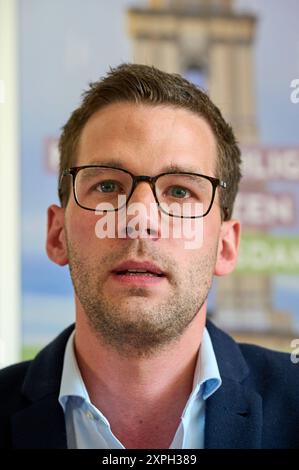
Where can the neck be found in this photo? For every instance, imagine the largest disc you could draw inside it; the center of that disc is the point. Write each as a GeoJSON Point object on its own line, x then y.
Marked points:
{"type": "Point", "coordinates": [143, 398]}
{"type": "Point", "coordinates": [148, 382]}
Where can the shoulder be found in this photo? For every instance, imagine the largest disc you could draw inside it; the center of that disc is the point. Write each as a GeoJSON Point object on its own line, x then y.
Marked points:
{"type": "Point", "coordinates": [13, 376]}
{"type": "Point", "coordinates": [28, 381]}
{"type": "Point", "coordinates": [12, 373]}
{"type": "Point", "coordinates": [262, 368]}
{"type": "Point", "coordinates": [271, 369]}
{"type": "Point", "coordinates": [264, 357]}
{"type": "Point", "coordinates": [11, 382]}
{"type": "Point", "coordinates": [11, 398]}
{"type": "Point", "coordinates": [25, 385]}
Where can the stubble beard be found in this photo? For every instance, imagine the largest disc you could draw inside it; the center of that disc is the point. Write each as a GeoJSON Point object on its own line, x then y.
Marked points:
{"type": "Point", "coordinates": [133, 327]}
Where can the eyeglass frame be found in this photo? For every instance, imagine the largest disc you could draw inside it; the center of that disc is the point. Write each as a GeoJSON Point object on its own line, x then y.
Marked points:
{"type": "Point", "coordinates": [73, 171]}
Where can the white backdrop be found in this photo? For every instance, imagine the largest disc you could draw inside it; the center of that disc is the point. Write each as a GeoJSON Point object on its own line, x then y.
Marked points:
{"type": "Point", "coordinates": [9, 188]}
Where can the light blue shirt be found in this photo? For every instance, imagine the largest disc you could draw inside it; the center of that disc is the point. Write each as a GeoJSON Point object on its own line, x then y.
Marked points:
{"type": "Point", "coordinates": [88, 428]}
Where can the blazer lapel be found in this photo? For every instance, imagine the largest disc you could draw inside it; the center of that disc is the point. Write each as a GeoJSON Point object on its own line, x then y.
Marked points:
{"type": "Point", "coordinates": [233, 418]}
{"type": "Point", "coordinates": [234, 411]}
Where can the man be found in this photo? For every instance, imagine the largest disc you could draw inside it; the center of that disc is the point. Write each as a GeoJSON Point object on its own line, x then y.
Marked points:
{"type": "Point", "coordinates": [143, 368]}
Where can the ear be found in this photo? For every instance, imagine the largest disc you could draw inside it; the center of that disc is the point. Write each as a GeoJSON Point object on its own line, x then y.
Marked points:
{"type": "Point", "coordinates": [228, 247]}
{"type": "Point", "coordinates": [56, 243]}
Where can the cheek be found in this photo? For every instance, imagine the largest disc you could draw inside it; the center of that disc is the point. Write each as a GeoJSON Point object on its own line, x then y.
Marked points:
{"type": "Point", "coordinates": [211, 228]}
{"type": "Point", "coordinates": [194, 235]}
{"type": "Point", "coordinates": [86, 236]}
{"type": "Point", "coordinates": [210, 234]}
{"type": "Point", "coordinates": [81, 228]}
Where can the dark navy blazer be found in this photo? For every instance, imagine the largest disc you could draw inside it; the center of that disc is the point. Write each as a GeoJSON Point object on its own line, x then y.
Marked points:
{"type": "Point", "coordinates": [257, 405]}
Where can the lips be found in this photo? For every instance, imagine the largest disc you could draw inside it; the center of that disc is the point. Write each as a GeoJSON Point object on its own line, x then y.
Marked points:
{"type": "Point", "coordinates": [138, 268]}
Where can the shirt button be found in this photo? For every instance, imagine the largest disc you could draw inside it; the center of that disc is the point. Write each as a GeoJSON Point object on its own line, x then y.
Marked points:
{"type": "Point", "coordinates": [89, 415]}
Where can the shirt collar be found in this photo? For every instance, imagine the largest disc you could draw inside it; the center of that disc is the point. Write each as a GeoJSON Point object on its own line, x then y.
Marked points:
{"type": "Point", "coordinates": [72, 384]}
{"type": "Point", "coordinates": [206, 376]}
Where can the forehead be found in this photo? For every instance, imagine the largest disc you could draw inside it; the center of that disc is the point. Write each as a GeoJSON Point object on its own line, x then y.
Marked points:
{"type": "Point", "coordinates": [145, 138]}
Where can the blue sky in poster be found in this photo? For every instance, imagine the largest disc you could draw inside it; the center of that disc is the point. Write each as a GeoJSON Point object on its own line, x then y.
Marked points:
{"type": "Point", "coordinates": [65, 44]}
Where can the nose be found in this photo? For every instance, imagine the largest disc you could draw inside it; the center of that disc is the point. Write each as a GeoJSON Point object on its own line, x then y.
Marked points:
{"type": "Point", "coordinates": [143, 215]}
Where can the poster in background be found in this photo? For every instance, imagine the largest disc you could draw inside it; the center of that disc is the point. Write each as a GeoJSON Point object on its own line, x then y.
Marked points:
{"type": "Point", "coordinates": [61, 51]}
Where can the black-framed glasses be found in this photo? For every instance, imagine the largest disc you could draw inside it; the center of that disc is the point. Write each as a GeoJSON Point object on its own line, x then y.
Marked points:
{"type": "Point", "coordinates": [184, 195]}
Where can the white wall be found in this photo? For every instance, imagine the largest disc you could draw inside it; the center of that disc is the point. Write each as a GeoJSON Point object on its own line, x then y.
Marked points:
{"type": "Point", "coordinates": [10, 344]}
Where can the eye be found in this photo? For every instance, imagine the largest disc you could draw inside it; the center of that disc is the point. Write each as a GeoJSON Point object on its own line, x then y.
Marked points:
{"type": "Point", "coordinates": [178, 192]}
{"type": "Point", "coordinates": [108, 186]}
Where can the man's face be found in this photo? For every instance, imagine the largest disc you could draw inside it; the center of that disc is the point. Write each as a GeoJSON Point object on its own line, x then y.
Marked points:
{"type": "Point", "coordinates": [138, 314]}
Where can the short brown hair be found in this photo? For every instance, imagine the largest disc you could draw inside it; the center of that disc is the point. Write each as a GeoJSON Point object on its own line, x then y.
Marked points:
{"type": "Point", "coordinates": [146, 84]}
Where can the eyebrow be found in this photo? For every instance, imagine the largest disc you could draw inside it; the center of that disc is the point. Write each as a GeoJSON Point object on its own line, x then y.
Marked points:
{"type": "Point", "coordinates": [115, 163]}
{"type": "Point", "coordinates": [172, 168]}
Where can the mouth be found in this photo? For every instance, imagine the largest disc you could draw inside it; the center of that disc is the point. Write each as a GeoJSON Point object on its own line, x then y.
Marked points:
{"type": "Point", "coordinates": [136, 271]}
